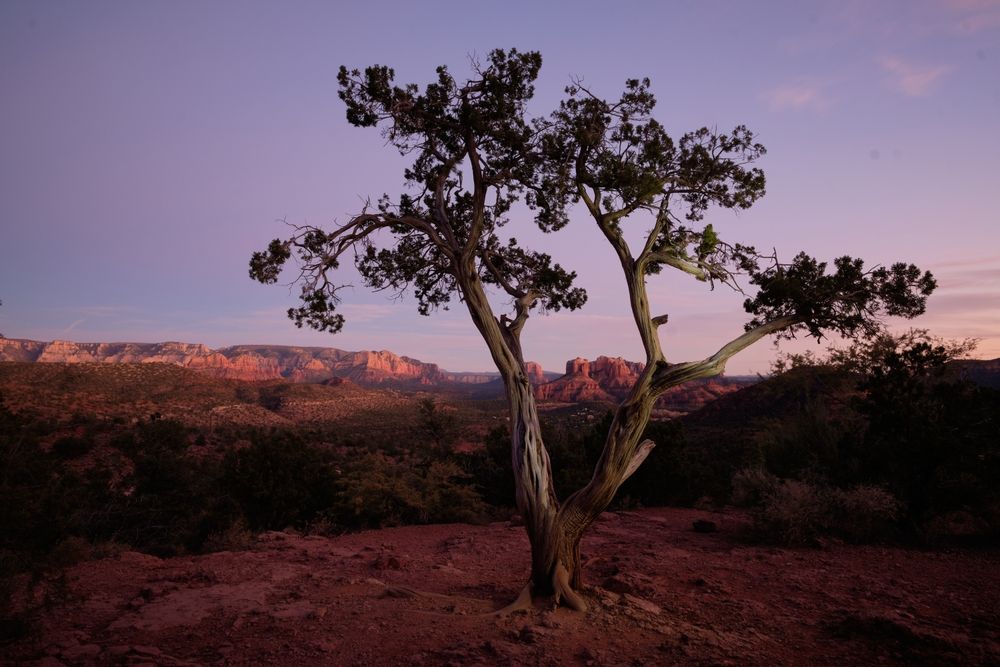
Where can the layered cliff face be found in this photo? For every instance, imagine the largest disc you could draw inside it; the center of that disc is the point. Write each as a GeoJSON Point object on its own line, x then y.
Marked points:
{"type": "Point", "coordinates": [536, 375]}
{"type": "Point", "coordinates": [255, 362]}
{"type": "Point", "coordinates": [12, 349]}
{"type": "Point", "coordinates": [605, 379]}
{"type": "Point", "coordinates": [188, 355]}
{"type": "Point", "coordinates": [315, 364]}
{"type": "Point", "coordinates": [609, 379]}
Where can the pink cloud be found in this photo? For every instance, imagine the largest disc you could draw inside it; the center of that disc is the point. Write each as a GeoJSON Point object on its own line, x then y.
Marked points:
{"type": "Point", "coordinates": [975, 15]}
{"type": "Point", "coordinates": [912, 80]}
{"type": "Point", "coordinates": [794, 97]}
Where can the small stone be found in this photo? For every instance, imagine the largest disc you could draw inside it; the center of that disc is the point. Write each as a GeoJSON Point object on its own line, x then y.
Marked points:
{"type": "Point", "coordinates": [388, 561]}
{"type": "Point", "coordinates": [48, 661]}
{"type": "Point", "coordinates": [65, 639]}
{"type": "Point", "coordinates": [641, 603]}
{"type": "Point", "coordinates": [532, 633]}
{"type": "Point", "coordinates": [136, 558]}
{"type": "Point", "coordinates": [324, 645]}
{"type": "Point", "coordinates": [81, 652]}
{"type": "Point", "coordinates": [704, 526]}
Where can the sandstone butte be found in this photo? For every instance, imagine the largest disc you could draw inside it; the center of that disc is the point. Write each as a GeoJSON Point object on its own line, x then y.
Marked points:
{"type": "Point", "coordinates": [608, 379]}
{"type": "Point", "coordinates": [605, 379]}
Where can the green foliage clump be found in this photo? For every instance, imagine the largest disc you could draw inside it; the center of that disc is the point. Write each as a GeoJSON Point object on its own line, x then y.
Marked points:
{"type": "Point", "coordinates": [797, 513]}
{"type": "Point", "coordinates": [902, 431]}
{"type": "Point", "coordinates": [376, 492]}
{"type": "Point", "coordinates": [280, 481]}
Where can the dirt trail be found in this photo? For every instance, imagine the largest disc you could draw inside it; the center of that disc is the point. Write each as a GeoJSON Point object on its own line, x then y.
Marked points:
{"type": "Point", "coordinates": [660, 593]}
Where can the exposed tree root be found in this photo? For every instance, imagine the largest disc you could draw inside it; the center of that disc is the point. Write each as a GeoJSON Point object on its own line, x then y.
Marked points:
{"type": "Point", "coordinates": [564, 592]}
{"type": "Point", "coordinates": [522, 603]}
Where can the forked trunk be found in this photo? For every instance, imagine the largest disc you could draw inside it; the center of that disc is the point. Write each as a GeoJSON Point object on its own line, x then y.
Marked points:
{"type": "Point", "coordinates": [553, 531]}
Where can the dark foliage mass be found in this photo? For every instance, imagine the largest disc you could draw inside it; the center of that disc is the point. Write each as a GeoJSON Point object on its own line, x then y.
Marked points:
{"type": "Point", "coordinates": [148, 487]}
{"type": "Point", "coordinates": [850, 301]}
{"type": "Point", "coordinates": [475, 152]}
{"type": "Point", "coordinates": [890, 422]}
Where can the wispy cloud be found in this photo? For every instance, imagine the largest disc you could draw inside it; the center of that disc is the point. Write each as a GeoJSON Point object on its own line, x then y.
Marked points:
{"type": "Point", "coordinates": [974, 15]}
{"type": "Point", "coordinates": [72, 326]}
{"type": "Point", "coordinates": [986, 260]}
{"type": "Point", "coordinates": [910, 79]}
{"type": "Point", "coordinates": [795, 97]}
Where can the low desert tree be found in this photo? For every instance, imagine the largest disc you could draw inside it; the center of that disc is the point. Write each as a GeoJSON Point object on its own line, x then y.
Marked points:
{"type": "Point", "coordinates": [475, 153]}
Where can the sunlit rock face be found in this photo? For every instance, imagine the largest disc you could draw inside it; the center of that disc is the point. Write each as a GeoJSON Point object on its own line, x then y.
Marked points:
{"type": "Point", "coordinates": [535, 373]}
{"type": "Point", "coordinates": [610, 379]}
{"type": "Point", "coordinates": [254, 362]}
{"type": "Point", "coordinates": [604, 379]}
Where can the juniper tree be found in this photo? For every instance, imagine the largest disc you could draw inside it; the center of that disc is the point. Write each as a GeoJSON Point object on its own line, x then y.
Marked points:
{"type": "Point", "coordinates": [475, 153]}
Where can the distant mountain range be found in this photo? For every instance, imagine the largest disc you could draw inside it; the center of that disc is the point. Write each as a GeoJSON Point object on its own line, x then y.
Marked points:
{"type": "Point", "coordinates": [605, 379]}
{"type": "Point", "coordinates": [602, 380]}
{"type": "Point", "coordinates": [254, 363]}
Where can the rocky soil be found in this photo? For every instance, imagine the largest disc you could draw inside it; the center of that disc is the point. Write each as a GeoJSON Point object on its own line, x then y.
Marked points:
{"type": "Point", "coordinates": [660, 593]}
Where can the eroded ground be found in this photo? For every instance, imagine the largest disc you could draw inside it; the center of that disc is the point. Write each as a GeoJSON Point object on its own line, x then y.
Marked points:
{"type": "Point", "coordinates": [659, 592]}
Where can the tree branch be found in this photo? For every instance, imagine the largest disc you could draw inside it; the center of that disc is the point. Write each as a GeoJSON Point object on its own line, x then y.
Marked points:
{"type": "Point", "coordinates": [478, 197]}
{"type": "Point", "coordinates": [672, 375]}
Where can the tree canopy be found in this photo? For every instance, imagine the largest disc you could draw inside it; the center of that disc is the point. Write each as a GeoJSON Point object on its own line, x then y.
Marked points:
{"type": "Point", "coordinates": [475, 152]}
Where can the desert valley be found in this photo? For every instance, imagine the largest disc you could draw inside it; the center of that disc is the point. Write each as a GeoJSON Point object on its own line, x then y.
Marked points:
{"type": "Point", "coordinates": [222, 429]}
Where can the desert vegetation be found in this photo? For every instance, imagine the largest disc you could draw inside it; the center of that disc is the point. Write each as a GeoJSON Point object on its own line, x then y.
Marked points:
{"type": "Point", "coordinates": [885, 442]}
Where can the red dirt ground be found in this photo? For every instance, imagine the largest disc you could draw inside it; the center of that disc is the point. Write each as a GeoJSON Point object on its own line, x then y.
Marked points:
{"type": "Point", "coordinates": [659, 594]}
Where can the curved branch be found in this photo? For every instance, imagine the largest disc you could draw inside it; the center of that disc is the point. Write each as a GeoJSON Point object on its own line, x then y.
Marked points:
{"type": "Point", "coordinates": [478, 197]}
{"type": "Point", "coordinates": [672, 375]}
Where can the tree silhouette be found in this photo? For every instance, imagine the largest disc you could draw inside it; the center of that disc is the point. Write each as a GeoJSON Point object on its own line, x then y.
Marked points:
{"type": "Point", "coordinates": [475, 152]}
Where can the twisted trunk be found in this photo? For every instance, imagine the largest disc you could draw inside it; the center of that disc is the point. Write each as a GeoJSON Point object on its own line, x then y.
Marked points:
{"type": "Point", "coordinates": [536, 499]}
{"type": "Point", "coordinates": [555, 531]}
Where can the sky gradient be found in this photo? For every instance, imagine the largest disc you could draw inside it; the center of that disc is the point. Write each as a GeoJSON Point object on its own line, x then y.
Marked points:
{"type": "Point", "coordinates": [146, 149]}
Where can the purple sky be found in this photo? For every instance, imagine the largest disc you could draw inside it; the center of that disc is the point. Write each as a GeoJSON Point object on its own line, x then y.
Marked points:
{"type": "Point", "coordinates": [147, 148]}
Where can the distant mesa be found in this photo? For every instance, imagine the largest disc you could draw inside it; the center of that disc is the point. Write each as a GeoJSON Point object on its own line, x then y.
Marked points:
{"type": "Point", "coordinates": [257, 363]}
{"type": "Point", "coordinates": [602, 380]}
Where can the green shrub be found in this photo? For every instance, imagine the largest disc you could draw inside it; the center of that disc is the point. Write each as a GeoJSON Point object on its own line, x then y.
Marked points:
{"type": "Point", "coordinates": [752, 485]}
{"type": "Point", "coordinates": [280, 481]}
{"type": "Point", "coordinates": [376, 492]}
{"type": "Point", "coordinates": [863, 514]}
{"type": "Point", "coordinates": [794, 512]}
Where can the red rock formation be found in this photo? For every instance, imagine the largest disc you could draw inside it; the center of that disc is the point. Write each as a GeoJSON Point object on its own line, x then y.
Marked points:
{"type": "Point", "coordinates": [610, 379]}
{"type": "Point", "coordinates": [13, 349]}
{"type": "Point", "coordinates": [536, 375]}
{"type": "Point", "coordinates": [244, 362]}
{"type": "Point", "coordinates": [63, 351]}
{"type": "Point", "coordinates": [576, 386]}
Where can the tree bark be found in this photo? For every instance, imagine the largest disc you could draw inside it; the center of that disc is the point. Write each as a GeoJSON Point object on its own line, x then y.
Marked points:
{"type": "Point", "coordinates": [534, 492]}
